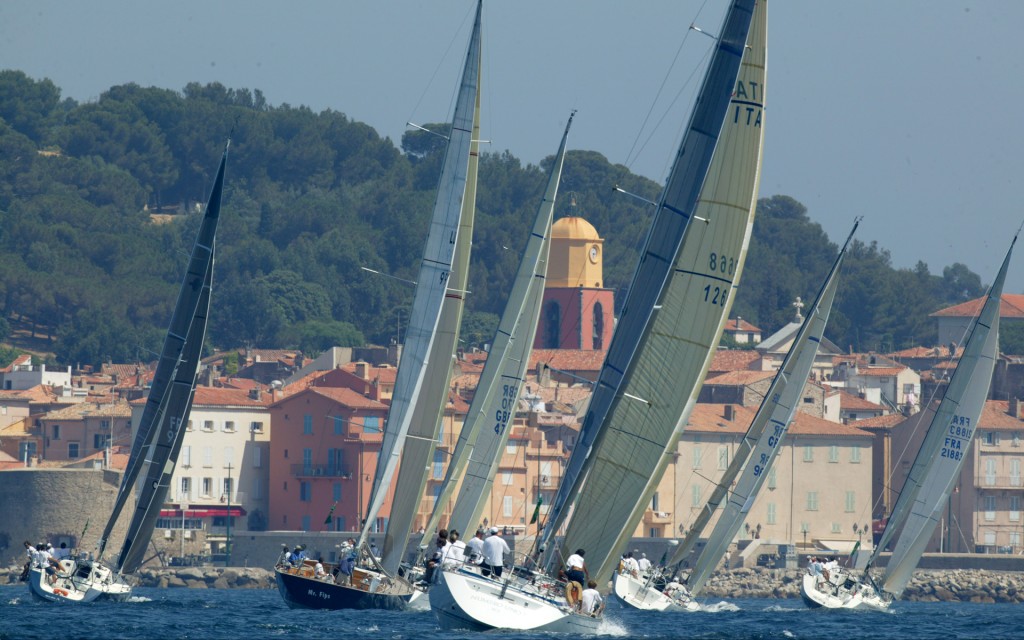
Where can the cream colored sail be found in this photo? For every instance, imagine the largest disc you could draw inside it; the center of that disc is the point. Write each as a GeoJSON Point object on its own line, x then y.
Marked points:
{"type": "Point", "coordinates": [649, 393]}
{"type": "Point", "coordinates": [946, 444]}
{"type": "Point", "coordinates": [756, 453]}
{"type": "Point", "coordinates": [424, 432]}
{"type": "Point", "coordinates": [432, 283]}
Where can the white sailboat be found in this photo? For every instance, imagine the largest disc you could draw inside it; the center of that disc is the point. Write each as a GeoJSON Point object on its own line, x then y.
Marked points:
{"type": "Point", "coordinates": [671, 320]}
{"type": "Point", "coordinates": [749, 468]}
{"type": "Point", "coordinates": [486, 430]}
{"type": "Point", "coordinates": [423, 372]}
{"type": "Point", "coordinates": [935, 470]}
{"type": "Point", "coordinates": [160, 432]}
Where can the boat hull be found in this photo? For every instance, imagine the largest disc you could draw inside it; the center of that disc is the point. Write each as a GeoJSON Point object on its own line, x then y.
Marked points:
{"type": "Point", "coordinates": [636, 594]}
{"type": "Point", "coordinates": [820, 594]}
{"type": "Point", "coordinates": [306, 592]}
{"type": "Point", "coordinates": [464, 599]}
{"type": "Point", "coordinates": [77, 583]}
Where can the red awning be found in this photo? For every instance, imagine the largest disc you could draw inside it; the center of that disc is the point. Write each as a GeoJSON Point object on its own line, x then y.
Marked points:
{"type": "Point", "coordinates": [203, 512]}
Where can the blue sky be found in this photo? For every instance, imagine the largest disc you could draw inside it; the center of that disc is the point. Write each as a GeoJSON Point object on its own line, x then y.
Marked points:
{"type": "Point", "coordinates": [903, 111]}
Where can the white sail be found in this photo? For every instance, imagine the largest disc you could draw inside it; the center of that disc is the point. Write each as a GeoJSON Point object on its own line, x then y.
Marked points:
{"type": "Point", "coordinates": [667, 332]}
{"type": "Point", "coordinates": [424, 430]}
{"type": "Point", "coordinates": [486, 430]}
{"type": "Point", "coordinates": [756, 453]}
{"type": "Point", "coordinates": [946, 444]}
{"type": "Point", "coordinates": [432, 282]}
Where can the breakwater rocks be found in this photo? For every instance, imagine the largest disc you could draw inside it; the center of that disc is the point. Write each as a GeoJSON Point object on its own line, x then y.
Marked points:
{"type": "Point", "coordinates": [954, 585]}
{"type": "Point", "coordinates": [188, 577]}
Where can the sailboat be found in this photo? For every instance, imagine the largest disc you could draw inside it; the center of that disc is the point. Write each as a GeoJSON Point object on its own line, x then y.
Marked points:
{"type": "Point", "coordinates": [160, 433]}
{"type": "Point", "coordinates": [749, 468]}
{"type": "Point", "coordinates": [486, 431]}
{"type": "Point", "coordinates": [935, 470]}
{"type": "Point", "coordinates": [421, 385]}
{"type": "Point", "coordinates": [671, 321]}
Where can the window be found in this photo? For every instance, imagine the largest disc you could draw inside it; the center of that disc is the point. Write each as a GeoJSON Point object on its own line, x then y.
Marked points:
{"type": "Point", "coordinates": [598, 328]}
{"type": "Point", "coordinates": [545, 473]}
{"type": "Point", "coordinates": [654, 502]}
{"type": "Point", "coordinates": [229, 456]}
{"type": "Point", "coordinates": [990, 472]}
{"type": "Point", "coordinates": [438, 464]}
{"type": "Point", "coordinates": [772, 478]}
{"type": "Point", "coordinates": [507, 506]}
{"type": "Point", "coordinates": [257, 488]}
{"type": "Point", "coordinates": [552, 325]}
{"type": "Point", "coordinates": [305, 491]}
{"type": "Point", "coordinates": [506, 477]}
{"type": "Point", "coordinates": [339, 426]}
{"type": "Point", "coordinates": [371, 424]}
{"type": "Point", "coordinates": [307, 425]}
{"type": "Point", "coordinates": [1015, 472]}
{"type": "Point", "coordinates": [990, 538]}
{"type": "Point", "coordinates": [990, 508]}
{"type": "Point", "coordinates": [695, 497]}
{"type": "Point", "coordinates": [186, 456]}
{"type": "Point", "coordinates": [990, 438]}
{"type": "Point", "coordinates": [696, 456]}
{"type": "Point", "coordinates": [336, 492]}
{"type": "Point", "coordinates": [723, 458]}
{"type": "Point", "coordinates": [855, 454]}
{"type": "Point", "coordinates": [228, 486]}
{"type": "Point", "coordinates": [851, 501]}
{"type": "Point", "coordinates": [305, 523]}
{"type": "Point", "coordinates": [229, 426]}
{"type": "Point", "coordinates": [186, 489]}
{"type": "Point", "coordinates": [256, 427]}
{"type": "Point", "coordinates": [837, 528]}
{"type": "Point", "coordinates": [257, 456]}
{"type": "Point", "coordinates": [207, 425]}
{"type": "Point", "coordinates": [188, 427]}
{"type": "Point", "coordinates": [771, 517]}
{"type": "Point", "coordinates": [808, 400]}
{"type": "Point", "coordinates": [56, 432]}
{"type": "Point", "coordinates": [73, 450]}
{"type": "Point", "coordinates": [1014, 508]}
{"type": "Point", "coordinates": [1015, 538]}
{"type": "Point", "coordinates": [100, 440]}
{"type": "Point", "coordinates": [808, 453]}
{"type": "Point", "coordinates": [511, 448]}
{"type": "Point", "coordinates": [307, 461]}
{"type": "Point", "coordinates": [812, 500]}
{"type": "Point", "coordinates": [207, 487]}
{"type": "Point", "coordinates": [207, 456]}
{"type": "Point", "coordinates": [833, 453]}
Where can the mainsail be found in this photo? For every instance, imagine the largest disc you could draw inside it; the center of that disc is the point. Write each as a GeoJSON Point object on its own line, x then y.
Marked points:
{"type": "Point", "coordinates": [923, 497]}
{"type": "Point", "coordinates": [762, 440]}
{"type": "Point", "coordinates": [486, 429]}
{"type": "Point", "coordinates": [428, 412]}
{"type": "Point", "coordinates": [432, 283]}
{"type": "Point", "coordinates": [677, 304]}
{"type": "Point", "coordinates": [160, 429]}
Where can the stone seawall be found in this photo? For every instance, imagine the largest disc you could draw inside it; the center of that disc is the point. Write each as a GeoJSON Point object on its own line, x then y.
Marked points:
{"type": "Point", "coordinates": [965, 585]}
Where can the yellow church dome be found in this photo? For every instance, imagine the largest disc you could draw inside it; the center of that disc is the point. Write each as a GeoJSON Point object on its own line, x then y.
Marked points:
{"type": "Point", "coordinates": [574, 228]}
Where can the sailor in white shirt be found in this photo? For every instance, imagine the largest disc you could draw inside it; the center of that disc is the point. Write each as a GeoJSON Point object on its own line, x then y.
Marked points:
{"type": "Point", "coordinates": [644, 563]}
{"type": "Point", "coordinates": [630, 566]}
{"type": "Point", "coordinates": [455, 552]}
{"type": "Point", "coordinates": [575, 569]}
{"type": "Point", "coordinates": [475, 547]}
{"type": "Point", "coordinates": [495, 549]}
{"type": "Point", "coordinates": [591, 601]}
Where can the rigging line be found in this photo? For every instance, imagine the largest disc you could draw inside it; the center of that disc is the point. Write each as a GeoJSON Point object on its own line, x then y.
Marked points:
{"type": "Point", "coordinates": [440, 63]}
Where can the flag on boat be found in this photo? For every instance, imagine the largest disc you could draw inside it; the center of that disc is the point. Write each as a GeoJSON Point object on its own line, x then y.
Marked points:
{"type": "Point", "coordinates": [856, 547]}
{"type": "Point", "coordinates": [330, 513]}
{"type": "Point", "coordinates": [536, 510]}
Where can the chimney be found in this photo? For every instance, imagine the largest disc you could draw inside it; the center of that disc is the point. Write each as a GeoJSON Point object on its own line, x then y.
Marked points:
{"type": "Point", "coordinates": [362, 370]}
{"type": "Point", "coordinates": [1015, 408]}
{"type": "Point", "coordinates": [729, 412]}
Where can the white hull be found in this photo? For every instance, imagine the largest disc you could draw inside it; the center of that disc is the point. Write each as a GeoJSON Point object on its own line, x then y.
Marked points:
{"type": "Point", "coordinates": [463, 599]}
{"type": "Point", "coordinates": [636, 594]}
{"type": "Point", "coordinates": [78, 582]}
{"type": "Point", "coordinates": [816, 593]}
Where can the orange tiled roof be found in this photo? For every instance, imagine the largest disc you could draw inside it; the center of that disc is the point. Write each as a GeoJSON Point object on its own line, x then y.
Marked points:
{"type": "Point", "coordinates": [879, 422]}
{"type": "Point", "coordinates": [216, 396]}
{"type": "Point", "coordinates": [710, 418]}
{"type": "Point", "coordinates": [567, 359]}
{"type": "Point", "coordinates": [880, 371]}
{"type": "Point", "coordinates": [739, 324]}
{"type": "Point", "coordinates": [90, 409]}
{"type": "Point", "coordinates": [348, 397]}
{"type": "Point", "coordinates": [25, 358]}
{"type": "Point", "coordinates": [851, 402]}
{"type": "Point", "coordinates": [996, 415]}
{"type": "Point", "coordinates": [733, 360]}
{"type": "Point", "coordinates": [1011, 305]}
{"type": "Point", "coordinates": [736, 378]}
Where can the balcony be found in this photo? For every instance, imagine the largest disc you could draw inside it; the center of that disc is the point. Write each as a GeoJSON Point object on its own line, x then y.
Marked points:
{"type": "Point", "coordinates": [321, 471]}
{"type": "Point", "coordinates": [991, 481]}
{"type": "Point", "coordinates": [656, 518]}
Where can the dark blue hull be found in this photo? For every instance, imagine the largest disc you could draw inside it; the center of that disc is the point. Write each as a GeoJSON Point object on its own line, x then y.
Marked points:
{"type": "Point", "coordinates": [303, 592]}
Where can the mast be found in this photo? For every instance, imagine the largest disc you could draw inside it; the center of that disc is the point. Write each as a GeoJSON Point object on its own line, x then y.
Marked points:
{"type": "Point", "coordinates": [190, 296]}
{"type": "Point", "coordinates": [763, 438]}
{"type": "Point", "coordinates": [677, 304]}
{"type": "Point", "coordinates": [946, 444]}
{"type": "Point", "coordinates": [432, 283]}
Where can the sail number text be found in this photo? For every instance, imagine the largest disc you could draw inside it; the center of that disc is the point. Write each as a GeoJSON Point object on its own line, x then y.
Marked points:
{"type": "Point", "coordinates": [960, 432]}
{"type": "Point", "coordinates": [773, 443]}
{"type": "Point", "coordinates": [509, 393]}
{"type": "Point", "coordinates": [747, 103]}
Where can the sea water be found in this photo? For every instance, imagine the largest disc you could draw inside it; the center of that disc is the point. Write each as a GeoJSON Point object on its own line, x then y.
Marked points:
{"type": "Point", "coordinates": [227, 614]}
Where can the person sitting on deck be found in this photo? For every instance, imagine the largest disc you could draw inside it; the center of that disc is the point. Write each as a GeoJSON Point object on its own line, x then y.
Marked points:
{"type": "Point", "coordinates": [630, 565]}
{"type": "Point", "coordinates": [593, 604]}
